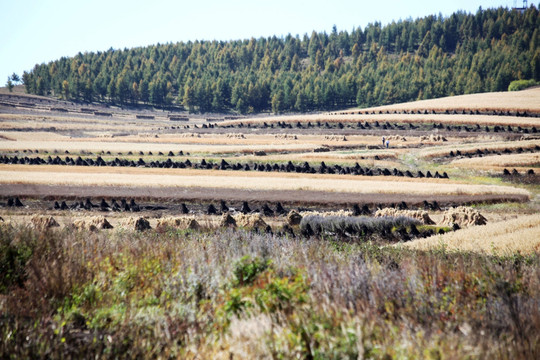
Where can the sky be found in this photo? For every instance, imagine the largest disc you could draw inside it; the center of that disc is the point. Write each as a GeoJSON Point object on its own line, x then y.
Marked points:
{"type": "Point", "coordinates": [39, 31]}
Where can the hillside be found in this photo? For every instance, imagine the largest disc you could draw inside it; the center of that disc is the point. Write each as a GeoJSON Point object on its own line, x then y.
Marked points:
{"type": "Point", "coordinates": [430, 57]}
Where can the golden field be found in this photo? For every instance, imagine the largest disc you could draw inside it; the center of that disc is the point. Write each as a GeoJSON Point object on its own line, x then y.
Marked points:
{"type": "Point", "coordinates": [520, 235]}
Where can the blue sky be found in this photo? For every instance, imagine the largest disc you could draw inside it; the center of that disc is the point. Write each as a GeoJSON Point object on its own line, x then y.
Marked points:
{"type": "Point", "coordinates": [37, 31]}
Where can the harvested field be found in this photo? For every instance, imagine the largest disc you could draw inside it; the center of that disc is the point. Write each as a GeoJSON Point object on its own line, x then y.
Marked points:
{"type": "Point", "coordinates": [444, 119]}
{"type": "Point", "coordinates": [499, 161]}
{"type": "Point", "coordinates": [525, 100]}
{"type": "Point", "coordinates": [194, 194]}
{"type": "Point", "coordinates": [494, 145]}
{"type": "Point", "coordinates": [89, 176]}
{"type": "Point", "coordinates": [503, 238]}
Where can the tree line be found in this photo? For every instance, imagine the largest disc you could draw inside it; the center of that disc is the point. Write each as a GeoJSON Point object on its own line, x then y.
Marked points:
{"type": "Point", "coordinates": [425, 58]}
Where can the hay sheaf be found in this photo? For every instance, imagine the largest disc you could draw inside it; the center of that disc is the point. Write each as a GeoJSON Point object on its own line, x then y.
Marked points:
{"type": "Point", "coordinates": [139, 224]}
{"type": "Point", "coordinates": [293, 218]}
{"type": "Point", "coordinates": [188, 135]}
{"type": "Point", "coordinates": [250, 220]}
{"type": "Point", "coordinates": [227, 221]}
{"type": "Point", "coordinates": [182, 223]}
{"type": "Point", "coordinates": [235, 136]}
{"type": "Point", "coordinates": [43, 222]}
{"type": "Point", "coordinates": [396, 138]}
{"type": "Point", "coordinates": [419, 215]}
{"type": "Point", "coordinates": [286, 137]}
{"type": "Point", "coordinates": [463, 216]}
{"type": "Point", "coordinates": [335, 137]}
{"type": "Point", "coordinates": [92, 223]}
{"type": "Point", "coordinates": [433, 138]}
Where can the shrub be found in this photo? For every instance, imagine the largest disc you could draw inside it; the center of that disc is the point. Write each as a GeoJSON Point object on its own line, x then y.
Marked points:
{"type": "Point", "coordinates": [517, 85]}
{"type": "Point", "coordinates": [14, 254]}
{"type": "Point", "coordinates": [247, 269]}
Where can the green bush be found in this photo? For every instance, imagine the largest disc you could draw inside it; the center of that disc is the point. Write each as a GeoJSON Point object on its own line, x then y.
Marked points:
{"type": "Point", "coordinates": [247, 269]}
{"type": "Point", "coordinates": [517, 85]}
{"type": "Point", "coordinates": [14, 254]}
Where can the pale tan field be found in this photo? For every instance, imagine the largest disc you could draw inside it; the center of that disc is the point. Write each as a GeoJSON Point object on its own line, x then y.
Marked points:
{"type": "Point", "coordinates": [482, 120]}
{"type": "Point", "coordinates": [61, 175]}
{"type": "Point", "coordinates": [500, 161]}
{"type": "Point", "coordinates": [474, 144]}
{"type": "Point", "coordinates": [525, 100]}
{"type": "Point", "coordinates": [501, 238]}
{"type": "Point", "coordinates": [73, 145]}
{"type": "Point", "coordinates": [206, 143]}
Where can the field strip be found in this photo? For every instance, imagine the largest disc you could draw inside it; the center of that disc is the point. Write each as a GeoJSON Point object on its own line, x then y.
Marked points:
{"type": "Point", "coordinates": [501, 238]}
{"type": "Point", "coordinates": [73, 145]}
{"type": "Point", "coordinates": [444, 150]}
{"type": "Point", "coordinates": [528, 99]}
{"type": "Point", "coordinates": [204, 195]}
{"type": "Point", "coordinates": [398, 118]}
{"type": "Point", "coordinates": [58, 175]}
{"type": "Point", "coordinates": [486, 162]}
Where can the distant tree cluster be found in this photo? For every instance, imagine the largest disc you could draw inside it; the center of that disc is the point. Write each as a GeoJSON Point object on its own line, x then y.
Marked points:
{"type": "Point", "coordinates": [12, 81]}
{"type": "Point", "coordinates": [406, 60]}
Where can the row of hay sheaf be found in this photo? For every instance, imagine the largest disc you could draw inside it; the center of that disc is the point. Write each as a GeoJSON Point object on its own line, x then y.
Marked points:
{"type": "Point", "coordinates": [462, 216]}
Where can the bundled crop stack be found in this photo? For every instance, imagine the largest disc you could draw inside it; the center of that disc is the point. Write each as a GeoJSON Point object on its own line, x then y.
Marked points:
{"type": "Point", "coordinates": [433, 138]}
{"type": "Point", "coordinates": [227, 221]}
{"type": "Point", "coordinates": [92, 223]}
{"type": "Point", "coordinates": [43, 222]}
{"type": "Point", "coordinates": [250, 221]}
{"type": "Point", "coordinates": [464, 217]}
{"type": "Point", "coordinates": [293, 218]}
{"type": "Point", "coordinates": [419, 215]}
{"type": "Point", "coordinates": [183, 223]}
{"type": "Point", "coordinates": [139, 224]}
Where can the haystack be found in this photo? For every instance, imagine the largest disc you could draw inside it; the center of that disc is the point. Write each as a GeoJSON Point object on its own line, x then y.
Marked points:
{"type": "Point", "coordinates": [433, 138]}
{"type": "Point", "coordinates": [463, 216]}
{"type": "Point", "coordinates": [250, 221]}
{"type": "Point", "coordinates": [227, 221]}
{"type": "Point", "coordinates": [92, 223]}
{"type": "Point", "coordinates": [293, 218]}
{"type": "Point", "coordinates": [43, 222]}
{"type": "Point", "coordinates": [396, 138]}
{"type": "Point", "coordinates": [139, 224]}
{"type": "Point", "coordinates": [419, 215]}
{"type": "Point", "coordinates": [182, 223]}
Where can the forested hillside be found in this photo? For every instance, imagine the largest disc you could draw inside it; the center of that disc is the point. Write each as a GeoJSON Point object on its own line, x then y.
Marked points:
{"type": "Point", "coordinates": [414, 59]}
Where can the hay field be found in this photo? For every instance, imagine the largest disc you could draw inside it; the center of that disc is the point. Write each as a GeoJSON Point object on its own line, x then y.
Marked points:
{"type": "Point", "coordinates": [525, 100]}
{"type": "Point", "coordinates": [499, 161]}
{"type": "Point", "coordinates": [520, 235]}
{"type": "Point", "coordinates": [58, 175]}
{"type": "Point", "coordinates": [482, 120]}
{"type": "Point", "coordinates": [474, 144]}
{"type": "Point", "coordinates": [74, 145]}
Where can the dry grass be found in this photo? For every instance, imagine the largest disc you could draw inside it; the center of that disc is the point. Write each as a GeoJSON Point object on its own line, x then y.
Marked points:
{"type": "Point", "coordinates": [143, 177]}
{"type": "Point", "coordinates": [502, 238]}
